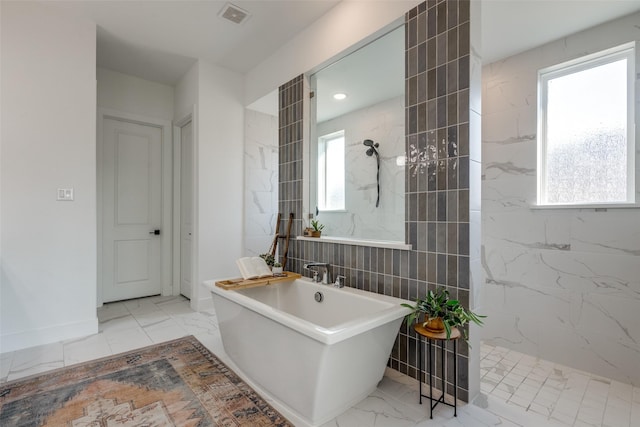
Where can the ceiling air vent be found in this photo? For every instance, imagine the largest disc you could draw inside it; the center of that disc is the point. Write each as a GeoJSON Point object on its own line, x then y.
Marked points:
{"type": "Point", "coordinates": [233, 13]}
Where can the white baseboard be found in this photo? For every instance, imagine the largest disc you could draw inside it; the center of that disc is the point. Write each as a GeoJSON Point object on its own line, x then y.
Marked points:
{"type": "Point", "coordinates": [48, 335]}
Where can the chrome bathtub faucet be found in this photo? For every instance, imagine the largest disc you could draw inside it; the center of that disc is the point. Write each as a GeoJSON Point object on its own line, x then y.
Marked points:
{"type": "Point", "coordinates": [339, 281]}
{"type": "Point", "coordinates": [326, 272]}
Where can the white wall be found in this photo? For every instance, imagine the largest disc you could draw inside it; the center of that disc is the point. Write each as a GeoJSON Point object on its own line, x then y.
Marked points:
{"type": "Point", "coordinates": [561, 284]}
{"type": "Point", "coordinates": [384, 124]}
{"type": "Point", "coordinates": [344, 27]}
{"type": "Point", "coordinates": [48, 263]}
{"type": "Point", "coordinates": [261, 181]}
{"type": "Point", "coordinates": [134, 95]}
{"type": "Point", "coordinates": [220, 173]}
{"type": "Point", "coordinates": [1, 172]}
{"type": "Point", "coordinates": [186, 93]}
{"type": "Point", "coordinates": [217, 94]}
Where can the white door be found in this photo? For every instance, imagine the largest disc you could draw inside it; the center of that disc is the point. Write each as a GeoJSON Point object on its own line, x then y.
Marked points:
{"type": "Point", "coordinates": [186, 200]}
{"type": "Point", "coordinates": [132, 210]}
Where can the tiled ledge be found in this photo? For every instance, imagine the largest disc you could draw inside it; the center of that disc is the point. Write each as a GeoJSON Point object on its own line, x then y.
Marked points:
{"type": "Point", "coordinates": [358, 242]}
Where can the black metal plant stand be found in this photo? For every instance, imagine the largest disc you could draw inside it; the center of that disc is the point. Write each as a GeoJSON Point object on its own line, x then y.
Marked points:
{"type": "Point", "coordinates": [430, 336]}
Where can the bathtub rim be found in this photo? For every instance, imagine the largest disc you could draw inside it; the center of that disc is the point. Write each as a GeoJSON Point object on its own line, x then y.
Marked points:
{"type": "Point", "coordinates": [324, 335]}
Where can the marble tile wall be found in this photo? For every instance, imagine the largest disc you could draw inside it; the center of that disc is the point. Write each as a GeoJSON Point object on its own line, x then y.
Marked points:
{"type": "Point", "coordinates": [561, 284]}
{"type": "Point", "coordinates": [383, 123]}
{"type": "Point", "coordinates": [260, 181]}
{"type": "Point", "coordinates": [441, 190]}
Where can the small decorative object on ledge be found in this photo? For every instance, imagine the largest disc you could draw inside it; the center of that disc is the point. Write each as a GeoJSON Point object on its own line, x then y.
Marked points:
{"type": "Point", "coordinates": [315, 230]}
{"type": "Point", "coordinates": [276, 269]}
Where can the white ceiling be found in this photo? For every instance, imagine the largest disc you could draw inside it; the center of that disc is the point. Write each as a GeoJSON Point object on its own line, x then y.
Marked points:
{"type": "Point", "coordinates": [160, 39]}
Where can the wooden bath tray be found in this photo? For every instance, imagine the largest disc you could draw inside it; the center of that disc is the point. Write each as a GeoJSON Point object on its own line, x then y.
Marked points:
{"type": "Point", "coordinates": [233, 284]}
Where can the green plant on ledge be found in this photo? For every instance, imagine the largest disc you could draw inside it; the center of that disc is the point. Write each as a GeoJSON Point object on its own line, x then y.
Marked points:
{"type": "Point", "coordinates": [315, 224]}
{"type": "Point", "coordinates": [438, 305]}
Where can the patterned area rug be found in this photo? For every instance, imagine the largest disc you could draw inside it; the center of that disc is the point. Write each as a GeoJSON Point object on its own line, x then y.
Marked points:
{"type": "Point", "coordinates": [177, 383]}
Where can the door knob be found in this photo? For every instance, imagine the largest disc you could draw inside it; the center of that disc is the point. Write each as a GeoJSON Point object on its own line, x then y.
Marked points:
{"type": "Point", "coordinates": [155, 232]}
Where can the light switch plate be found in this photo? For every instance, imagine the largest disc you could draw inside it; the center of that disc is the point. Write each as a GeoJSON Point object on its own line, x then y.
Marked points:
{"type": "Point", "coordinates": [65, 194]}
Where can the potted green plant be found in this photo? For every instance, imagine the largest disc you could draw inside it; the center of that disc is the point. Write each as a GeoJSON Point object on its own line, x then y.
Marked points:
{"type": "Point", "coordinates": [442, 313]}
{"type": "Point", "coordinates": [268, 258]}
{"type": "Point", "coordinates": [277, 268]}
{"type": "Point", "coordinates": [316, 228]}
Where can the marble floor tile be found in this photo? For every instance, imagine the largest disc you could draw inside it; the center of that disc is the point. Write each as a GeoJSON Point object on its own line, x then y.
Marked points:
{"type": "Point", "coordinates": [176, 308]}
{"type": "Point", "coordinates": [141, 306]}
{"type": "Point", "coordinates": [559, 394]}
{"type": "Point", "coordinates": [36, 360]}
{"type": "Point", "coordinates": [517, 390]}
{"type": "Point", "coordinates": [635, 414]}
{"type": "Point", "coordinates": [159, 300]}
{"type": "Point", "coordinates": [165, 330]}
{"type": "Point", "coordinates": [378, 410]}
{"type": "Point", "coordinates": [213, 342]}
{"type": "Point", "coordinates": [617, 413]}
{"type": "Point", "coordinates": [118, 323]}
{"type": "Point", "coordinates": [195, 323]}
{"type": "Point", "coordinates": [112, 310]}
{"type": "Point", "coordinates": [85, 349]}
{"type": "Point", "coordinates": [127, 339]}
{"type": "Point", "coordinates": [151, 318]}
{"type": "Point", "coordinates": [514, 414]}
{"type": "Point", "coordinates": [5, 364]}
{"type": "Point", "coordinates": [562, 418]}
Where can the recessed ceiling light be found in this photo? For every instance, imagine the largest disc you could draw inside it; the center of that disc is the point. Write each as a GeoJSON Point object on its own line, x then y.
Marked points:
{"type": "Point", "coordinates": [339, 96]}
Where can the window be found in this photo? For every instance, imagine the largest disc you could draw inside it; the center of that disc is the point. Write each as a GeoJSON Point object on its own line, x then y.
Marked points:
{"type": "Point", "coordinates": [331, 172]}
{"type": "Point", "coordinates": [586, 143]}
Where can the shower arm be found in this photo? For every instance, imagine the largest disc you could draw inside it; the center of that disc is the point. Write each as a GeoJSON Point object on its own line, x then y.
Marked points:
{"type": "Point", "coordinates": [378, 179]}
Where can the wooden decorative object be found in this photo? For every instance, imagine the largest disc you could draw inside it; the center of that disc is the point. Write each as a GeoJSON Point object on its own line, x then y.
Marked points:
{"type": "Point", "coordinates": [234, 284]}
{"type": "Point", "coordinates": [455, 333]}
{"type": "Point", "coordinates": [286, 237]}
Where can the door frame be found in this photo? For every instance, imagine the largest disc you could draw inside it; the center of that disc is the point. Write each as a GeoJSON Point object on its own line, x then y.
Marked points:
{"type": "Point", "coordinates": [167, 242]}
{"type": "Point", "coordinates": [185, 118]}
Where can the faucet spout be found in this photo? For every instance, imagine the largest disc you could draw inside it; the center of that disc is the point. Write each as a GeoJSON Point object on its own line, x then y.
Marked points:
{"type": "Point", "coordinates": [326, 271]}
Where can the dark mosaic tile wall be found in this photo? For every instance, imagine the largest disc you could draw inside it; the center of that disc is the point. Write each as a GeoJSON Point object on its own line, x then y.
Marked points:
{"type": "Point", "coordinates": [290, 134]}
{"type": "Point", "coordinates": [437, 181]}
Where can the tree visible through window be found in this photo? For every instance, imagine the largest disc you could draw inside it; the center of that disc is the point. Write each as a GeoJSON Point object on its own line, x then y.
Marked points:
{"type": "Point", "coordinates": [586, 143]}
{"type": "Point", "coordinates": [331, 174]}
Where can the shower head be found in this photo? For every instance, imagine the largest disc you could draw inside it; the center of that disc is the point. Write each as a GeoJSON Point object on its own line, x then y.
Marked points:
{"type": "Point", "coordinates": [372, 147]}
{"type": "Point", "coordinates": [370, 143]}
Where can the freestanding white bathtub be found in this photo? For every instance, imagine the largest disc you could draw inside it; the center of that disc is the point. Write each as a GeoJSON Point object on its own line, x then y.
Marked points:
{"type": "Point", "coordinates": [316, 358]}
